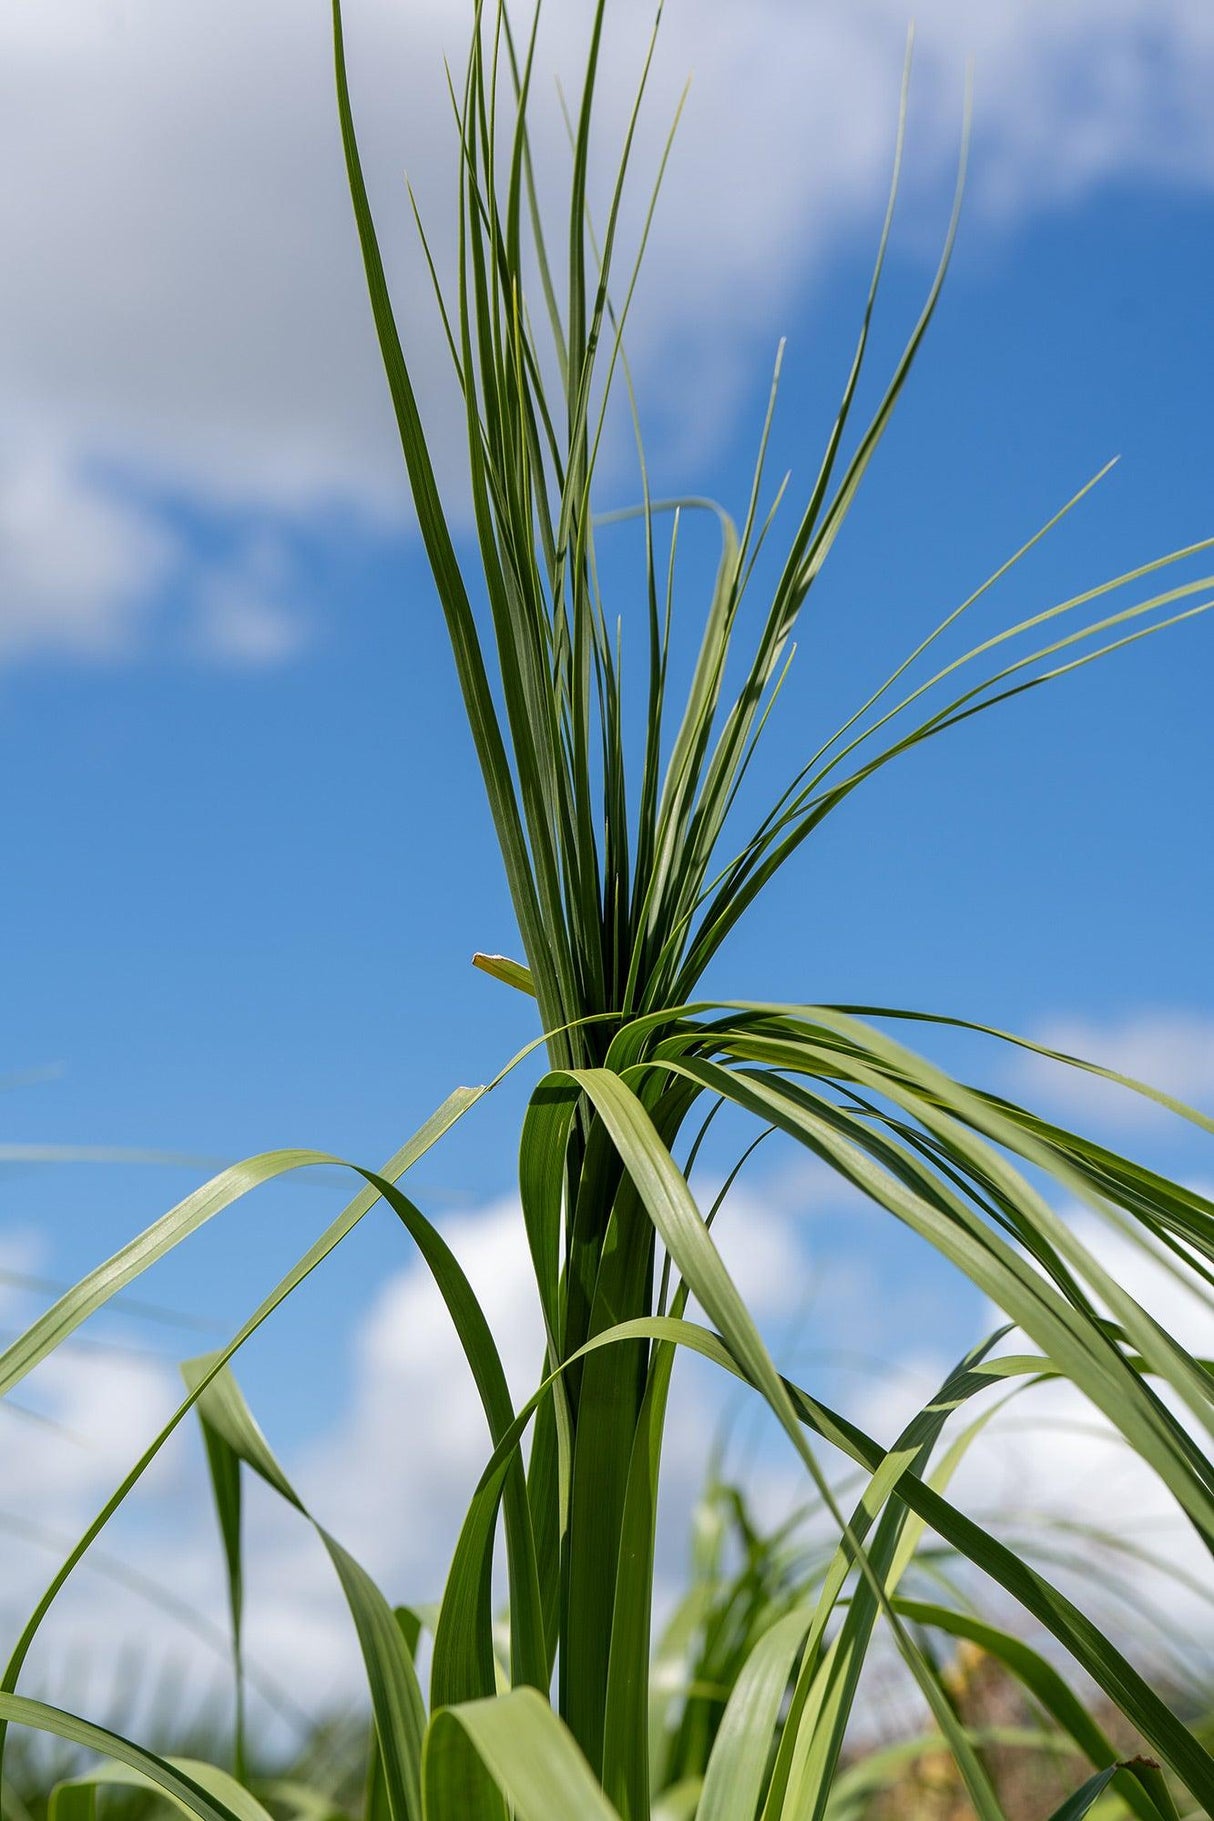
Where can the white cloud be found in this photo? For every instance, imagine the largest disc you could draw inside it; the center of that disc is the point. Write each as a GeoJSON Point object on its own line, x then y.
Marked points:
{"type": "Point", "coordinates": [84, 564]}
{"type": "Point", "coordinates": [19, 1256]}
{"type": "Point", "coordinates": [244, 618]}
{"type": "Point", "coordinates": [78, 561]}
{"type": "Point", "coordinates": [395, 1475]}
{"type": "Point", "coordinates": [1172, 1051]}
{"type": "Point", "coordinates": [70, 1425]}
{"type": "Point", "coordinates": [182, 293]}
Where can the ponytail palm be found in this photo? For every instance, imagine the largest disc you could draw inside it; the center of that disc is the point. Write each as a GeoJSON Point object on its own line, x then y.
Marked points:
{"type": "Point", "coordinates": [616, 799]}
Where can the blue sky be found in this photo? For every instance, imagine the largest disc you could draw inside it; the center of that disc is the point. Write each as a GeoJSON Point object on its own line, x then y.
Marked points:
{"type": "Point", "coordinates": [248, 857]}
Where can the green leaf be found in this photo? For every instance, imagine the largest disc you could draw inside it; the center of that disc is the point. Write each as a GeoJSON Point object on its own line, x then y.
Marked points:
{"type": "Point", "coordinates": [208, 1777]}
{"type": "Point", "coordinates": [527, 1755]}
{"type": "Point", "coordinates": [101, 1285]}
{"type": "Point", "coordinates": [183, 1789]}
{"type": "Point", "coordinates": [224, 1467]}
{"type": "Point", "coordinates": [511, 973]}
{"type": "Point", "coordinates": [741, 1757]}
{"type": "Point", "coordinates": [73, 1801]}
{"type": "Point", "coordinates": [396, 1699]}
{"type": "Point", "coordinates": [626, 1743]}
{"type": "Point", "coordinates": [1077, 1806]}
{"type": "Point", "coordinates": [680, 1802]}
